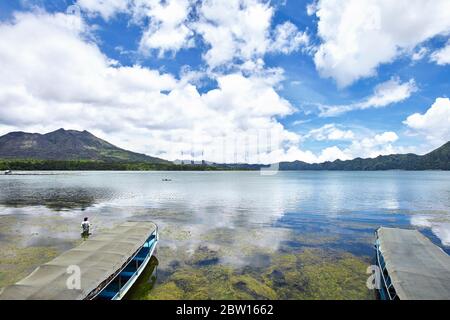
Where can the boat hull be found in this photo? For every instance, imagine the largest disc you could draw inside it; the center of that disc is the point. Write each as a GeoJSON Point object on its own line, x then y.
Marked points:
{"type": "Point", "coordinates": [119, 286]}
{"type": "Point", "coordinates": [133, 279]}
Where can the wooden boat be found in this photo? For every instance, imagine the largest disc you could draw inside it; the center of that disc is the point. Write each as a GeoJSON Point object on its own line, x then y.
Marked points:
{"type": "Point", "coordinates": [411, 266]}
{"type": "Point", "coordinates": [103, 267]}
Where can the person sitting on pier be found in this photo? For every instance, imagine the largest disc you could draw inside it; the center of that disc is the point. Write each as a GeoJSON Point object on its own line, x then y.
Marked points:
{"type": "Point", "coordinates": [85, 226]}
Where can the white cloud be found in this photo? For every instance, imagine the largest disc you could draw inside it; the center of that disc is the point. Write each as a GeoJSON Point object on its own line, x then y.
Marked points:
{"type": "Point", "coordinates": [373, 146]}
{"type": "Point", "coordinates": [386, 93]}
{"type": "Point", "coordinates": [164, 22]}
{"type": "Point", "coordinates": [389, 92]}
{"type": "Point", "coordinates": [363, 143]}
{"type": "Point", "coordinates": [168, 29]}
{"type": "Point", "coordinates": [357, 36]}
{"type": "Point", "coordinates": [311, 8]}
{"type": "Point", "coordinates": [368, 147]}
{"type": "Point", "coordinates": [434, 124]}
{"type": "Point", "coordinates": [235, 31]}
{"type": "Point", "coordinates": [442, 56]}
{"type": "Point", "coordinates": [54, 76]}
{"type": "Point", "coordinates": [105, 8]}
{"type": "Point", "coordinates": [330, 132]}
{"type": "Point", "coordinates": [246, 97]}
{"type": "Point", "coordinates": [386, 137]}
{"type": "Point", "coordinates": [332, 154]}
{"type": "Point", "coordinates": [241, 30]}
{"type": "Point", "coordinates": [287, 39]}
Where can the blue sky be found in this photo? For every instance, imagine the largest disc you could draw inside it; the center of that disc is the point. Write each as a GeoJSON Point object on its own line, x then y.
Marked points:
{"type": "Point", "coordinates": [318, 80]}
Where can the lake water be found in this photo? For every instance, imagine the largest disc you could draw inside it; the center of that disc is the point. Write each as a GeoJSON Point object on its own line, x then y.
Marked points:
{"type": "Point", "coordinates": [229, 235]}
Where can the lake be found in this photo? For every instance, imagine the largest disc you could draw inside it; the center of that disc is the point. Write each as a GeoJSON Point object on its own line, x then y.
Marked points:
{"type": "Point", "coordinates": [227, 235]}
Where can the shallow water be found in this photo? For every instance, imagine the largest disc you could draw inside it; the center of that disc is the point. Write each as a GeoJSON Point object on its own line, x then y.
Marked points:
{"type": "Point", "coordinates": [295, 235]}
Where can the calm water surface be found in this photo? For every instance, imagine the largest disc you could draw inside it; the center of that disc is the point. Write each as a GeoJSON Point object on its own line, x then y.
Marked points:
{"type": "Point", "coordinates": [295, 235]}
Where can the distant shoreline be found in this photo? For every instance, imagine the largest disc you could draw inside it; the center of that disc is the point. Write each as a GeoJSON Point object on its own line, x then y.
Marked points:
{"type": "Point", "coordinates": [91, 165]}
{"type": "Point", "coordinates": [54, 172]}
{"type": "Point", "coordinates": [437, 160]}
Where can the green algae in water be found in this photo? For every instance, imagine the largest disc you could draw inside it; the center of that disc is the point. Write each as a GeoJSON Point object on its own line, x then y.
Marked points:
{"type": "Point", "coordinates": [320, 274]}
{"type": "Point", "coordinates": [203, 256]}
{"type": "Point", "coordinates": [248, 287]}
{"type": "Point", "coordinates": [212, 282]}
{"type": "Point", "coordinates": [17, 263]}
{"type": "Point", "coordinates": [308, 274]}
{"type": "Point", "coordinates": [174, 233]}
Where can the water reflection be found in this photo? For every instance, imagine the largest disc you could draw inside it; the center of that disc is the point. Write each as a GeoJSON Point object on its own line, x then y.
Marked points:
{"type": "Point", "coordinates": [62, 198]}
{"type": "Point", "coordinates": [146, 281]}
{"type": "Point", "coordinates": [231, 234]}
{"type": "Point", "coordinates": [438, 223]}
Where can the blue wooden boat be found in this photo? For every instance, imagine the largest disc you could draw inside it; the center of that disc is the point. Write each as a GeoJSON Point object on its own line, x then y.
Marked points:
{"type": "Point", "coordinates": [117, 288]}
{"type": "Point", "coordinates": [103, 267]}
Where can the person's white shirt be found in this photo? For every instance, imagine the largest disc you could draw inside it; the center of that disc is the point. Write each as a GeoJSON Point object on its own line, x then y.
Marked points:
{"type": "Point", "coordinates": [86, 226]}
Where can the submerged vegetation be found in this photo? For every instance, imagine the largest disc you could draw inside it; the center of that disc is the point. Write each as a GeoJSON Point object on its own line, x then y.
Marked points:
{"type": "Point", "coordinates": [307, 274]}
{"type": "Point", "coordinates": [220, 263]}
{"type": "Point", "coordinates": [23, 248]}
{"type": "Point", "coordinates": [16, 263]}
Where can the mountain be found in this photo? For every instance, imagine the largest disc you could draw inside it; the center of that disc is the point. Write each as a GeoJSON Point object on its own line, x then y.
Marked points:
{"type": "Point", "coordinates": [66, 145]}
{"type": "Point", "coordinates": [438, 159]}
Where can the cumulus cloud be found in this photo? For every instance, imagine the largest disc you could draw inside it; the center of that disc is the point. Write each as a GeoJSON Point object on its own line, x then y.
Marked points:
{"type": "Point", "coordinates": [54, 76]}
{"type": "Point", "coordinates": [287, 39]}
{"type": "Point", "coordinates": [330, 132]}
{"type": "Point", "coordinates": [332, 154]}
{"type": "Point", "coordinates": [434, 124]}
{"type": "Point", "coordinates": [357, 36]}
{"type": "Point", "coordinates": [351, 143]}
{"type": "Point", "coordinates": [164, 23]}
{"type": "Point", "coordinates": [240, 30]}
{"type": "Point", "coordinates": [234, 31]}
{"type": "Point", "coordinates": [367, 147]}
{"type": "Point", "coordinates": [360, 143]}
{"type": "Point", "coordinates": [442, 56]}
{"type": "Point", "coordinates": [167, 30]}
{"type": "Point", "coordinates": [386, 93]}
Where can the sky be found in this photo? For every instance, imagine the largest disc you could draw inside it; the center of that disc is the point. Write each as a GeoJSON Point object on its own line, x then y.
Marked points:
{"type": "Point", "coordinates": [231, 80]}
